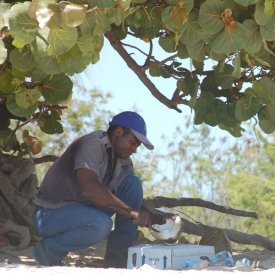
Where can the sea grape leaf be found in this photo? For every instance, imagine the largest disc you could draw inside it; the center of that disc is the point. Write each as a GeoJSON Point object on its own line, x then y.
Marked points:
{"type": "Point", "coordinates": [16, 110]}
{"type": "Point", "coordinates": [57, 88]}
{"type": "Point", "coordinates": [61, 40]}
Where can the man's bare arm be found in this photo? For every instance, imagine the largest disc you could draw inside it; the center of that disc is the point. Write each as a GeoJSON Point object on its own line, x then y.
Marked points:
{"type": "Point", "coordinates": [100, 196]}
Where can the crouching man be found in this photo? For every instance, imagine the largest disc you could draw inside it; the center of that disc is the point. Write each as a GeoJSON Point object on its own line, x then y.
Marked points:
{"type": "Point", "coordinates": [91, 181]}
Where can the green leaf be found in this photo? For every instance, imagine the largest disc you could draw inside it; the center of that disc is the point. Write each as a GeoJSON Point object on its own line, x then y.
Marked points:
{"type": "Point", "coordinates": [124, 4]}
{"type": "Point", "coordinates": [72, 15]}
{"type": "Point", "coordinates": [268, 7]}
{"type": "Point", "coordinates": [270, 23]}
{"type": "Point", "coordinates": [197, 51]}
{"type": "Point", "coordinates": [189, 84]}
{"type": "Point", "coordinates": [210, 18]}
{"type": "Point", "coordinates": [48, 64]}
{"type": "Point", "coordinates": [247, 106]}
{"type": "Point", "coordinates": [57, 88]}
{"type": "Point", "coordinates": [179, 13]}
{"type": "Point", "coordinates": [254, 39]}
{"type": "Point", "coordinates": [217, 114]}
{"type": "Point", "coordinates": [198, 118]}
{"type": "Point", "coordinates": [175, 17]}
{"type": "Point", "coordinates": [265, 121]}
{"type": "Point", "coordinates": [199, 66]}
{"type": "Point", "coordinates": [18, 111]}
{"type": "Point", "coordinates": [90, 44]}
{"type": "Point", "coordinates": [61, 40]}
{"type": "Point", "coordinates": [26, 98]}
{"type": "Point", "coordinates": [263, 89]}
{"type": "Point", "coordinates": [155, 71]}
{"type": "Point", "coordinates": [4, 10]}
{"type": "Point", "coordinates": [40, 44]}
{"type": "Point", "coordinates": [209, 84]}
{"type": "Point", "coordinates": [246, 2]}
{"type": "Point", "coordinates": [74, 61]}
{"type": "Point", "coordinates": [120, 33]}
{"type": "Point", "coordinates": [237, 73]}
{"type": "Point", "coordinates": [260, 15]}
{"type": "Point", "coordinates": [168, 43]}
{"type": "Point", "coordinates": [216, 56]}
{"type": "Point", "coordinates": [38, 75]}
{"type": "Point", "coordinates": [223, 75]}
{"type": "Point", "coordinates": [168, 22]}
{"type": "Point", "coordinates": [5, 122]}
{"type": "Point", "coordinates": [204, 104]}
{"type": "Point", "coordinates": [230, 40]}
{"type": "Point", "coordinates": [7, 139]}
{"type": "Point", "coordinates": [92, 3]}
{"type": "Point", "coordinates": [102, 23]}
{"type": "Point", "coordinates": [88, 24]}
{"type": "Point", "coordinates": [115, 16]}
{"type": "Point", "coordinates": [3, 52]}
{"type": "Point", "coordinates": [270, 109]}
{"type": "Point", "coordinates": [22, 27]}
{"type": "Point", "coordinates": [2, 21]}
{"type": "Point", "coordinates": [20, 74]}
{"type": "Point", "coordinates": [209, 110]}
{"type": "Point", "coordinates": [182, 51]}
{"type": "Point", "coordinates": [5, 118]}
{"type": "Point", "coordinates": [268, 30]}
{"type": "Point", "coordinates": [5, 82]}
{"type": "Point", "coordinates": [22, 59]}
{"type": "Point", "coordinates": [229, 118]}
{"type": "Point", "coordinates": [192, 32]}
{"type": "Point", "coordinates": [102, 3]}
{"type": "Point", "coordinates": [51, 125]}
{"type": "Point", "coordinates": [139, 1]}
{"type": "Point", "coordinates": [235, 131]}
{"type": "Point", "coordinates": [214, 114]}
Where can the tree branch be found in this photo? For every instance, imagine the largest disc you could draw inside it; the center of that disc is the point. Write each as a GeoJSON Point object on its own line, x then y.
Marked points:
{"type": "Point", "coordinates": [147, 61]}
{"type": "Point", "coordinates": [134, 47]}
{"type": "Point", "coordinates": [233, 235]}
{"type": "Point", "coordinates": [46, 158]}
{"type": "Point", "coordinates": [116, 44]}
{"type": "Point", "coordinates": [157, 202]}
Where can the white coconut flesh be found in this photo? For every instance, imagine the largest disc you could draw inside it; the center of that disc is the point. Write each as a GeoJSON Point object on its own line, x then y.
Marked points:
{"type": "Point", "coordinates": [169, 230]}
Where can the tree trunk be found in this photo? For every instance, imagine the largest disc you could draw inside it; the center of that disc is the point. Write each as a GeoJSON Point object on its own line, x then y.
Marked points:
{"type": "Point", "coordinates": [17, 186]}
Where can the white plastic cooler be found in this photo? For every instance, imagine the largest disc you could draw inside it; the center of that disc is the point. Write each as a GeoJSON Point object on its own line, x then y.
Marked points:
{"type": "Point", "coordinates": [166, 256]}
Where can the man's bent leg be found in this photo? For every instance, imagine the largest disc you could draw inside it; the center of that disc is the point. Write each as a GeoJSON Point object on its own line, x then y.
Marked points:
{"type": "Point", "coordinates": [70, 228]}
{"type": "Point", "coordinates": [130, 191]}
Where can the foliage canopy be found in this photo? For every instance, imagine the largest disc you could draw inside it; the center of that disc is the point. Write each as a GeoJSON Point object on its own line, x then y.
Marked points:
{"type": "Point", "coordinates": [44, 42]}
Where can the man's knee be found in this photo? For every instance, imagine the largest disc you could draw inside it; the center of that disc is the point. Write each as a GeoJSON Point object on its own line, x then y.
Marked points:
{"type": "Point", "coordinates": [130, 191]}
{"type": "Point", "coordinates": [133, 183]}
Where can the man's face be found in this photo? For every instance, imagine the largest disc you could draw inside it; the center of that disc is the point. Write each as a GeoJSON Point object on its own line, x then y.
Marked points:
{"type": "Point", "coordinates": [124, 145]}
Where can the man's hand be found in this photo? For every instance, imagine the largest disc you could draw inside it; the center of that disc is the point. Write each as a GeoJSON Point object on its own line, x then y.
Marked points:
{"type": "Point", "coordinates": [141, 218]}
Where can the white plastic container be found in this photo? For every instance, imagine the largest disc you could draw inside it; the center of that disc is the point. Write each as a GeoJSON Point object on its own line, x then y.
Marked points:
{"type": "Point", "coordinates": [166, 256]}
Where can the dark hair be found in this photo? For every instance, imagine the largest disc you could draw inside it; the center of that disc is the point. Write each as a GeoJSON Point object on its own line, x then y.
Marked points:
{"type": "Point", "coordinates": [112, 128]}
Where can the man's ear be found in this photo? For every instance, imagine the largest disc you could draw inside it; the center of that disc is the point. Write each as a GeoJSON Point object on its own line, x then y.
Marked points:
{"type": "Point", "coordinates": [118, 132]}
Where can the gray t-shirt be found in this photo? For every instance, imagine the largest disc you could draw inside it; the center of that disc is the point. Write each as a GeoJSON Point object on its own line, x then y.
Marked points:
{"type": "Point", "coordinates": [60, 187]}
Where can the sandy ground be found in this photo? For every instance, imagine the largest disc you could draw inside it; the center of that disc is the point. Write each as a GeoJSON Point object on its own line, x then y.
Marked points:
{"type": "Point", "coordinates": [91, 260]}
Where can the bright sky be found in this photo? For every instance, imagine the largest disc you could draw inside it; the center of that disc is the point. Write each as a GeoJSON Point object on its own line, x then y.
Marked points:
{"type": "Point", "coordinates": [111, 74]}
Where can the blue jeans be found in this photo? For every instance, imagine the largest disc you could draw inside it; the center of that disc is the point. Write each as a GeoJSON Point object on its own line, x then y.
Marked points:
{"type": "Point", "coordinates": [78, 226]}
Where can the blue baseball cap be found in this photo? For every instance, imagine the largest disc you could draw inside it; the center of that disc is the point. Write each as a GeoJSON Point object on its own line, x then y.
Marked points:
{"type": "Point", "coordinates": [135, 123]}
